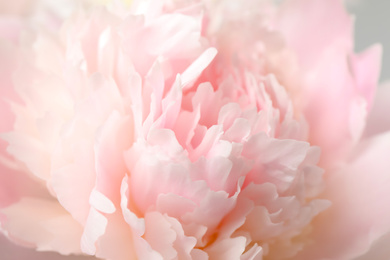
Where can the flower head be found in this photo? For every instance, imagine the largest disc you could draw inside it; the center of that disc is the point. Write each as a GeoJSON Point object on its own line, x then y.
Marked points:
{"type": "Point", "coordinates": [191, 130]}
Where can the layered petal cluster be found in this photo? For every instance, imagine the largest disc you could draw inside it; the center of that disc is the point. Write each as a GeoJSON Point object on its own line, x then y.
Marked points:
{"type": "Point", "coordinates": [191, 130]}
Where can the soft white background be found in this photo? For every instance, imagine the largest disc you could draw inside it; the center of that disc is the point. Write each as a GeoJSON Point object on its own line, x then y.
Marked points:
{"type": "Point", "coordinates": [372, 25]}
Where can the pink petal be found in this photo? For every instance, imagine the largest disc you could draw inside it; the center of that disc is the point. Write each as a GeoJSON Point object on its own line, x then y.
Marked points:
{"type": "Point", "coordinates": [197, 67]}
{"type": "Point", "coordinates": [185, 126]}
{"type": "Point", "coordinates": [171, 105]}
{"type": "Point", "coordinates": [365, 68]}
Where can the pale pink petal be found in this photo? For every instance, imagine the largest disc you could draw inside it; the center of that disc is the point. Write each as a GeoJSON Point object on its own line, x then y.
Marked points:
{"type": "Point", "coordinates": [73, 183]}
{"type": "Point", "coordinates": [171, 106]}
{"type": "Point", "coordinates": [207, 99]}
{"type": "Point", "coordinates": [165, 235]}
{"type": "Point", "coordinates": [365, 68]}
{"type": "Point", "coordinates": [114, 137]}
{"type": "Point", "coordinates": [8, 64]}
{"type": "Point", "coordinates": [378, 118]}
{"type": "Point", "coordinates": [75, 160]}
{"type": "Point", "coordinates": [95, 227]}
{"type": "Point", "coordinates": [199, 254]}
{"type": "Point", "coordinates": [117, 240]}
{"type": "Point", "coordinates": [16, 7]}
{"type": "Point", "coordinates": [101, 203]}
{"type": "Point", "coordinates": [184, 244]}
{"type": "Point", "coordinates": [330, 16]}
{"type": "Point", "coordinates": [10, 28]}
{"type": "Point", "coordinates": [359, 214]}
{"type": "Point", "coordinates": [16, 182]}
{"type": "Point", "coordinates": [210, 138]}
{"type": "Point", "coordinates": [254, 253]}
{"type": "Point", "coordinates": [191, 130]}
{"type": "Point", "coordinates": [178, 39]}
{"type": "Point", "coordinates": [160, 235]}
{"type": "Point", "coordinates": [379, 250]}
{"type": "Point", "coordinates": [197, 67]}
{"type": "Point", "coordinates": [227, 249]}
{"type": "Point", "coordinates": [174, 205]}
{"type": "Point", "coordinates": [49, 227]}
{"type": "Point", "coordinates": [136, 223]}
{"type": "Point", "coordinates": [185, 126]}
{"type": "Point", "coordinates": [211, 210]}
{"type": "Point", "coordinates": [283, 157]}
{"type": "Point", "coordinates": [151, 175]}
{"type": "Point", "coordinates": [141, 247]}
{"type": "Point", "coordinates": [336, 104]}
{"type": "Point", "coordinates": [30, 151]}
{"type": "Point", "coordinates": [154, 85]}
{"type": "Point", "coordinates": [11, 251]}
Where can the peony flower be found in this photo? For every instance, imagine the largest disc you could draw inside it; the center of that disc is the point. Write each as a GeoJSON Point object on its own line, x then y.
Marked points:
{"type": "Point", "coordinates": [192, 130]}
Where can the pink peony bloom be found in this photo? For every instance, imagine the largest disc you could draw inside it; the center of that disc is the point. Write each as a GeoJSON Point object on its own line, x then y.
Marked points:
{"type": "Point", "coordinates": [192, 130]}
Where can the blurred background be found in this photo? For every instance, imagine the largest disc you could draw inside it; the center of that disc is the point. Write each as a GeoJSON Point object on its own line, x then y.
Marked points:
{"type": "Point", "coordinates": [372, 25]}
